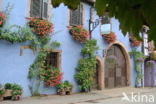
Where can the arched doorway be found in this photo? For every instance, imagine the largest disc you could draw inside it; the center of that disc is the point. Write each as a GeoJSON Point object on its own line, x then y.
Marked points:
{"type": "Point", "coordinates": [117, 65]}
{"type": "Point", "coordinates": [98, 81]}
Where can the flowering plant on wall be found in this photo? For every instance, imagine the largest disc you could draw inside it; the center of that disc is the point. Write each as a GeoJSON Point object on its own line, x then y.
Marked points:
{"type": "Point", "coordinates": [134, 41]}
{"type": "Point", "coordinates": [51, 76]}
{"type": "Point", "coordinates": [79, 33]}
{"type": "Point", "coordinates": [2, 18]}
{"type": "Point", "coordinates": [40, 27]}
{"type": "Point", "coordinates": [110, 38]}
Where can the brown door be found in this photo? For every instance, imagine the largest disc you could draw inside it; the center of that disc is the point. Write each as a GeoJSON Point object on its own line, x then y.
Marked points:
{"type": "Point", "coordinates": [95, 78]}
{"type": "Point", "coordinates": [115, 68]}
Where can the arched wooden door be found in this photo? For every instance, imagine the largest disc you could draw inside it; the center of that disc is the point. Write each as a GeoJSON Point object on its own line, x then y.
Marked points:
{"type": "Point", "coordinates": [95, 77]}
{"type": "Point", "coordinates": [115, 68]}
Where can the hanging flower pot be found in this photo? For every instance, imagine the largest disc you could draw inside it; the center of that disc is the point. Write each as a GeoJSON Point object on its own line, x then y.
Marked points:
{"type": "Point", "coordinates": [110, 38]}
{"type": "Point", "coordinates": [79, 33]}
{"type": "Point", "coordinates": [134, 41]}
{"type": "Point", "coordinates": [140, 60]}
{"type": "Point", "coordinates": [40, 27]}
{"type": "Point", "coordinates": [2, 18]}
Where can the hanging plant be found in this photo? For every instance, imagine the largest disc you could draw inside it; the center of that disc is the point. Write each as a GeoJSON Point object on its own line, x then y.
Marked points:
{"type": "Point", "coordinates": [40, 27]}
{"type": "Point", "coordinates": [2, 18]}
{"type": "Point", "coordinates": [79, 33]}
{"type": "Point", "coordinates": [51, 76]}
{"type": "Point", "coordinates": [110, 38]}
{"type": "Point", "coordinates": [134, 41]}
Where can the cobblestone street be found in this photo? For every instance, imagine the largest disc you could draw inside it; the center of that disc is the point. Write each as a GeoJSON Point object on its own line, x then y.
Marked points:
{"type": "Point", "coordinates": [107, 96]}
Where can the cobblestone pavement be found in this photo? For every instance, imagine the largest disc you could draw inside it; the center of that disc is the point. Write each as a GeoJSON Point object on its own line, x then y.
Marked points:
{"type": "Point", "coordinates": [107, 96]}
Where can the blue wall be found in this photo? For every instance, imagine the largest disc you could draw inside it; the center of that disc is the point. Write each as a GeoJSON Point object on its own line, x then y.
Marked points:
{"type": "Point", "coordinates": [14, 68]}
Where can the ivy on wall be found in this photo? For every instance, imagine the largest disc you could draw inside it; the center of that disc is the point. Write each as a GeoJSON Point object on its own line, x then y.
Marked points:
{"type": "Point", "coordinates": [87, 65]}
{"type": "Point", "coordinates": [138, 60]}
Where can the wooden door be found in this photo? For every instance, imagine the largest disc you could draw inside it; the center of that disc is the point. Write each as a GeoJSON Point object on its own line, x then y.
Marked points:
{"type": "Point", "coordinates": [115, 68]}
{"type": "Point", "coordinates": [95, 78]}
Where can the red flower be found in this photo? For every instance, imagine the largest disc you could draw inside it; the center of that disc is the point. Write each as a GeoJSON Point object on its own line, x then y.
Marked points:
{"type": "Point", "coordinates": [109, 37]}
{"type": "Point", "coordinates": [40, 27]}
{"type": "Point", "coordinates": [79, 33]}
{"type": "Point", "coordinates": [2, 18]}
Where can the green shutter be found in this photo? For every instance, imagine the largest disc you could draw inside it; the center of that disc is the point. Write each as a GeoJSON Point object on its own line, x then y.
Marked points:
{"type": "Point", "coordinates": [35, 10]}
{"type": "Point", "coordinates": [45, 9]}
{"type": "Point", "coordinates": [76, 16]}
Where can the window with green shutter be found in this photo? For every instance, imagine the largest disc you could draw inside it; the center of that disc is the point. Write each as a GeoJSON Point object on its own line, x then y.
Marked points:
{"type": "Point", "coordinates": [76, 16]}
{"type": "Point", "coordinates": [39, 8]}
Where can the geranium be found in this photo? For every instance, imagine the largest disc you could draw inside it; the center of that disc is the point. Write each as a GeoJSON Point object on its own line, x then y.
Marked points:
{"type": "Point", "coordinates": [40, 27]}
{"type": "Point", "coordinates": [51, 76]}
{"type": "Point", "coordinates": [134, 41]}
{"type": "Point", "coordinates": [79, 33]}
{"type": "Point", "coordinates": [2, 18]}
{"type": "Point", "coordinates": [109, 37]}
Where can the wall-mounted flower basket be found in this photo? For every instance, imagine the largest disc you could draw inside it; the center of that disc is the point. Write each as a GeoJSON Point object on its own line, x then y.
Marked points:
{"type": "Point", "coordinates": [79, 33]}
{"type": "Point", "coordinates": [40, 27]}
{"type": "Point", "coordinates": [110, 38]}
{"type": "Point", "coordinates": [2, 18]}
{"type": "Point", "coordinates": [153, 55]}
{"type": "Point", "coordinates": [134, 42]}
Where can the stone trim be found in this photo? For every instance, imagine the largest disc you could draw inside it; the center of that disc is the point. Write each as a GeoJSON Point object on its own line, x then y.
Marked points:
{"type": "Point", "coordinates": [128, 67]}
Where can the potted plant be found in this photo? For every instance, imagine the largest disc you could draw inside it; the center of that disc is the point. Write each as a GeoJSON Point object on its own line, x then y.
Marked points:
{"type": "Point", "coordinates": [1, 92]}
{"type": "Point", "coordinates": [2, 18]}
{"type": "Point", "coordinates": [60, 89]}
{"type": "Point", "coordinates": [64, 88]}
{"type": "Point", "coordinates": [16, 92]}
{"type": "Point", "coordinates": [68, 87]}
{"type": "Point", "coordinates": [110, 38]}
{"type": "Point", "coordinates": [79, 33]}
{"type": "Point", "coordinates": [40, 27]}
{"type": "Point", "coordinates": [134, 42]}
{"type": "Point", "coordinates": [8, 90]}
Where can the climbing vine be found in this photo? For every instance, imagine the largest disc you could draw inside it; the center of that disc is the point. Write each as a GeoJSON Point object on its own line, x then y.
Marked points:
{"type": "Point", "coordinates": [87, 65]}
{"type": "Point", "coordinates": [138, 59]}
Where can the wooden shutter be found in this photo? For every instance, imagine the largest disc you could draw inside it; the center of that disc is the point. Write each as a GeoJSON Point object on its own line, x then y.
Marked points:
{"type": "Point", "coordinates": [45, 9]}
{"type": "Point", "coordinates": [35, 10]}
{"type": "Point", "coordinates": [76, 16]}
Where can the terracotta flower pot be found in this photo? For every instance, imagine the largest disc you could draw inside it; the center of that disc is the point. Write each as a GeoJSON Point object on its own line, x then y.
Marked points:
{"type": "Point", "coordinates": [7, 93]}
{"type": "Point", "coordinates": [1, 98]}
{"type": "Point", "coordinates": [109, 38]}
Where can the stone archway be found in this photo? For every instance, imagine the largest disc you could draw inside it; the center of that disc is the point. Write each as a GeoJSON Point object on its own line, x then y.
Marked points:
{"type": "Point", "coordinates": [126, 62]}
{"type": "Point", "coordinates": [99, 73]}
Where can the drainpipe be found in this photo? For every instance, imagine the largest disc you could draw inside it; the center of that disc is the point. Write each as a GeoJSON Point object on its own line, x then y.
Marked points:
{"type": "Point", "coordinates": [90, 22]}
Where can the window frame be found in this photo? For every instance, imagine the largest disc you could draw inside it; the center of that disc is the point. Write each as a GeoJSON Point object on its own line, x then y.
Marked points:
{"type": "Point", "coordinates": [41, 15]}
{"type": "Point", "coordinates": [58, 57]}
{"type": "Point", "coordinates": [81, 14]}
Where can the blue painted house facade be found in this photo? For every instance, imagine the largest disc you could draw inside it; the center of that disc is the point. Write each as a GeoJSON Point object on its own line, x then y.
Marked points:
{"type": "Point", "coordinates": [14, 68]}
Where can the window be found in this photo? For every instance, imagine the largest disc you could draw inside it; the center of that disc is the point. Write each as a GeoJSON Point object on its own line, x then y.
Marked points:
{"type": "Point", "coordinates": [105, 24]}
{"type": "Point", "coordinates": [76, 16]}
{"type": "Point", "coordinates": [39, 8]}
{"type": "Point", "coordinates": [53, 59]}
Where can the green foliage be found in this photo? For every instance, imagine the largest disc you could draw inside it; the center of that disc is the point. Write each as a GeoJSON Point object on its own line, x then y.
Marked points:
{"type": "Point", "coordinates": [8, 86]}
{"type": "Point", "coordinates": [89, 48]}
{"type": "Point", "coordinates": [131, 14]}
{"type": "Point", "coordinates": [16, 33]}
{"type": "Point", "coordinates": [16, 91]}
{"type": "Point", "coordinates": [136, 55]}
{"type": "Point", "coordinates": [72, 4]}
{"type": "Point", "coordinates": [87, 65]}
{"type": "Point", "coordinates": [64, 85]}
{"type": "Point", "coordinates": [1, 90]}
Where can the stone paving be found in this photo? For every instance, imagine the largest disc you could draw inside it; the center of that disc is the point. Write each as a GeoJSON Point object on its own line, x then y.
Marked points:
{"type": "Point", "coordinates": [82, 98]}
